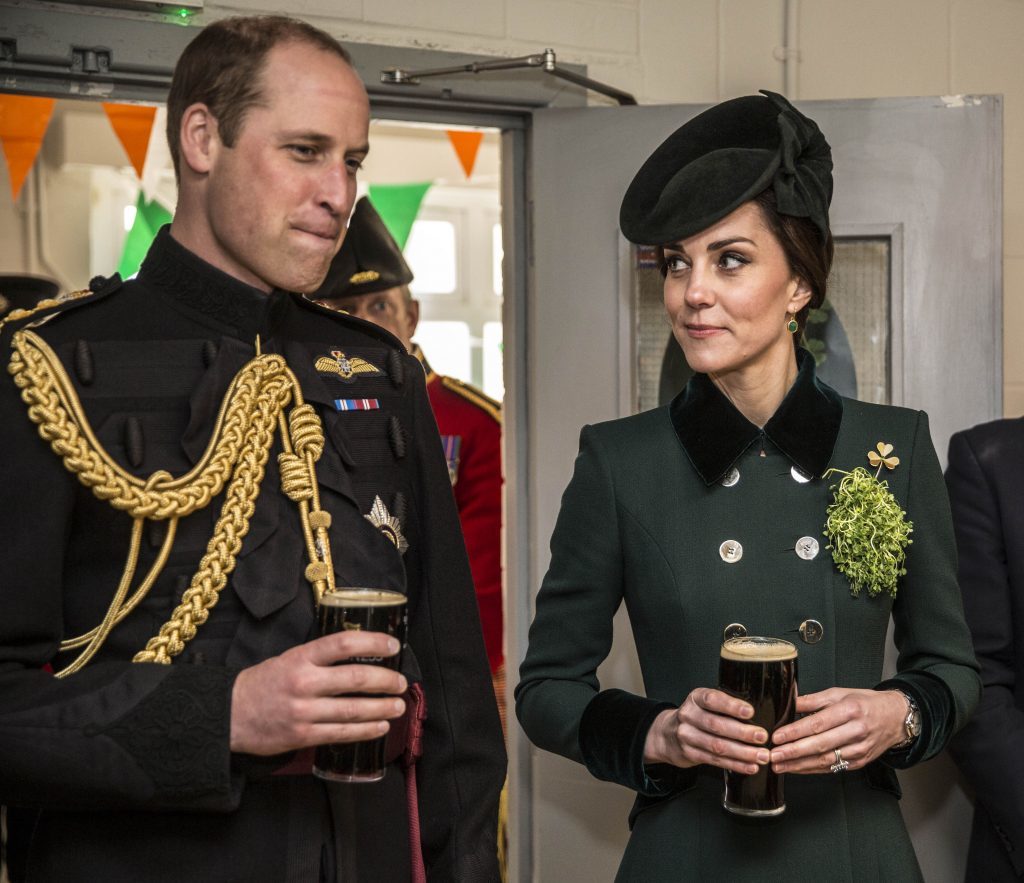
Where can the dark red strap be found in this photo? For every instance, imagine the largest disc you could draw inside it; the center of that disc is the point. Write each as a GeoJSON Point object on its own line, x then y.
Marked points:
{"type": "Point", "coordinates": [413, 751]}
{"type": "Point", "coordinates": [405, 745]}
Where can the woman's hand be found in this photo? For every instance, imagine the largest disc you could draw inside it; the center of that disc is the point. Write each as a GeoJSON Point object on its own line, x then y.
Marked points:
{"type": "Point", "coordinates": [862, 724]}
{"type": "Point", "coordinates": [708, 728]}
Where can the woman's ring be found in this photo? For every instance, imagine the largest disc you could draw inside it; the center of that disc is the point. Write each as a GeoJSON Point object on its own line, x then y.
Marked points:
{"type": "Point", "coordinates": [840, 766]}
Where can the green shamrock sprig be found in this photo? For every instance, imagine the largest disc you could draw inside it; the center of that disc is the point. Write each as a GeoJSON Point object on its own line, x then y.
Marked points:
{"type": "Point", "coordinates": [868, 532]}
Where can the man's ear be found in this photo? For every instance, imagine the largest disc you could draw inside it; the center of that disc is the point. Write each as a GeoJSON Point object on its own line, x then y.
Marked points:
{"type": "Point", "coordinates": [198, 139]}
{"type": "Point", "coordinates": [412, 312]}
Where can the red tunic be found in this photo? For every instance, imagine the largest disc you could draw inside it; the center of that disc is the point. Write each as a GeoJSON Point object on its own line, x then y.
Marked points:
{"type": "Point", "coordinates": [470, 426]}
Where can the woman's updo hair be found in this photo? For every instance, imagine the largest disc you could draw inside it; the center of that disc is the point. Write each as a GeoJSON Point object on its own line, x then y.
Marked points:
{"type": "Point", "coordinates": [808, 252]}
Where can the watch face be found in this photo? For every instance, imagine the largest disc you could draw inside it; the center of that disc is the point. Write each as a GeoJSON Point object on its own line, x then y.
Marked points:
{"type": "Point", "coordinates": [913, 721]}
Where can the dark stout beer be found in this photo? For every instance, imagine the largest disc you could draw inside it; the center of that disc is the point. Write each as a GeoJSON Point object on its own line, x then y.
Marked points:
{"type": "Point", "coordinates": [368, 610]}
{"type": "Point", "coordinates": [761, 671]}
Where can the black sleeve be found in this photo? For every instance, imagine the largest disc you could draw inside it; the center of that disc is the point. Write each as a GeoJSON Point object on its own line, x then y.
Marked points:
{"type": "Point", "coordinates": [988, 750]}
{"type": "Point", "coordinates": [462, 769]}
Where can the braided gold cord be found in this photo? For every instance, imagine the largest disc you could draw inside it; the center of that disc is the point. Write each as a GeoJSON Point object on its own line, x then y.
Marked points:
{"type": "Point", "coordinates": [99, 634]}
{"type": "Point", "coordinates": [140, 593]}
{"type": "Point", "coordinates": [54, 407]}
{"type": "Point", "coordinates": [269, 396]}
{"type": "Point", "coordinates": [252, 408]}
{"type": "Point", "coordinates": [303, 443]}
{"type": "Point", "coordinates": [45, 304]}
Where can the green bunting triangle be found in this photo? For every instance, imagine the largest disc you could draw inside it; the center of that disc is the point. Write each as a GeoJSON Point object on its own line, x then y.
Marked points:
{"type": "Point", "coordinates": [149, 218]}
{"type": "Point", "coordinates": [398, 205]}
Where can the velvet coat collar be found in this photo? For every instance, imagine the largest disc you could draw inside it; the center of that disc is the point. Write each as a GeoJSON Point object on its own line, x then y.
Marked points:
{"type": "Point", "coordinates": [714, 433]}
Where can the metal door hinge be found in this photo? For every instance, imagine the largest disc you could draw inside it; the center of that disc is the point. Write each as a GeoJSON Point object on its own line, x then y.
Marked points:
{"type": "Point", "coordinates": [86, 60]}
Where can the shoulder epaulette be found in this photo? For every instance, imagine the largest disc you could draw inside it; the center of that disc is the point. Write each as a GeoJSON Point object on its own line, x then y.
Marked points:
{"type": "Point", "coordinates": [474, 395]}
{"type": "Point", "coordinates": [48, 308]}
{"type": "Point", "coordinates": [373, 330]}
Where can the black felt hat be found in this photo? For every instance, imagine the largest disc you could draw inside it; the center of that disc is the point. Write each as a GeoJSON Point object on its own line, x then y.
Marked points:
{"type": "Point", "coordinates": [369, 259]}
{"type": "Point", "coordinates": [24, 291]}
{"type": "Point", "coordinates": [724, 157]}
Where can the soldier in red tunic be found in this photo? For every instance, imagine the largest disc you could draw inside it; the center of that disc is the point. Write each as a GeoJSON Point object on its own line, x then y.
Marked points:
{"type": "Point", "coordinates": [370, 279]}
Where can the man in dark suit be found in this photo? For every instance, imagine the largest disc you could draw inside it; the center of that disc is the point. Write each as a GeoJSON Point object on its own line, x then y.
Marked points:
{"type": "Point", "coordinates": [162, 684]}
{"type": "Point", "coordinates": [985, 478]}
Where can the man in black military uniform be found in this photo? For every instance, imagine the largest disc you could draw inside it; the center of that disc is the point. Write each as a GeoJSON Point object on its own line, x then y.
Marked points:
{"type": "Point", "coordinates": [151, 523]}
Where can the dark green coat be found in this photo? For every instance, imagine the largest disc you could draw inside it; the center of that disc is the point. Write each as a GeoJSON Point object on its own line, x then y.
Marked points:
{"type": "Point", "coordinates": [651, 502]}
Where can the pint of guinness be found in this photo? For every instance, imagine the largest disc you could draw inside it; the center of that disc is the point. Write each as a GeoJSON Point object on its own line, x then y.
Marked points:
{"type": "Point", "coordinates": [368, 610]}
{"type": "Point", "coordinates": [761, 671]}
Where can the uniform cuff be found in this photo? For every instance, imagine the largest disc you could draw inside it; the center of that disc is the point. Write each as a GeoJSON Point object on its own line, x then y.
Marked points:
{"type": "Point", "coordinates": [179, 734]}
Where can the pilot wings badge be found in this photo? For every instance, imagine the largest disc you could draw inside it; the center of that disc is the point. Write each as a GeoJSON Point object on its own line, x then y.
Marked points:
{"type": "Point", "coordinates": [346, 368]}
{"type": "Point", "coordinates": [387, 524]}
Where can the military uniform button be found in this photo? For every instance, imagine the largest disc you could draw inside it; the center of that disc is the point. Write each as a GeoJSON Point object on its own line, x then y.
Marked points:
{"type": "Point", "coordinates": [734, 630]}
{"type": "Point", "coordinates": [799, 475]}
{"type": "Point", "coordinates": [807, 548]}
{"type": "Point", "coordinates": [730, 551]}
{"type": "Point", "coordinates": [731, 477]}
{"type": "Point", "coordinates": [811, 631]}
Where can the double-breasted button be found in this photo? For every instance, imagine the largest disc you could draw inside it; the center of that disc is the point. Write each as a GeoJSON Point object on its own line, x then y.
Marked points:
{"type": "Point", "coordinates": [807, 548]}
{"type": "Point", "coordinates": [731, 551]}
{"type": "Point", "coordinates": [734, 630]}
{"type": "Point", "coordinates": [811, 631]}
{"type": "Point", "coordinates": [799, 475]}
{"type": "Point", "coordinates": [731, 477]}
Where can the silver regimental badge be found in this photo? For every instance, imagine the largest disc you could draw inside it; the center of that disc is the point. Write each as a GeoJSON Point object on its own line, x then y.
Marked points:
{"type": "Point", "coordinates": [346, 367]}
{"type": "Point", "coordinates": [387, 524]}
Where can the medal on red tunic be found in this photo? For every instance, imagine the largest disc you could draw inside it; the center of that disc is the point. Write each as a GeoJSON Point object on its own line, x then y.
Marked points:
{"type": "Point", "coordinates": [451, 445]}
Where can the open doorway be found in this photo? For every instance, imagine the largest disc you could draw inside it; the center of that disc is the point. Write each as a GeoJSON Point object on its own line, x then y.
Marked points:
{"type": "Point", "coordinates": [454, 247]}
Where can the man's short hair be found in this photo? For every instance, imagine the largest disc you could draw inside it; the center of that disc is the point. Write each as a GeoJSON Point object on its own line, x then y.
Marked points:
{"type": "Point", "coordinates": [222, 69]}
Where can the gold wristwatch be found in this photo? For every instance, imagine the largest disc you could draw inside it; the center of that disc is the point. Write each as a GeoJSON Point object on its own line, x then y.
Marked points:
{"type": "Point", "coordinates": [912, 723]}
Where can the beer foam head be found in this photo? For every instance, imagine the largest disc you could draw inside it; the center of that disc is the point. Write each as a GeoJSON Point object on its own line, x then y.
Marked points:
{"type": "Point", "coordinates": [756, 649]}
{"type": "Point", "coordinates": [362, 598]}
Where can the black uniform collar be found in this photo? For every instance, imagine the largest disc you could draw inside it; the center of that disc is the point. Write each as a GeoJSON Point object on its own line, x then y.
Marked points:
{"type": "Point", "coordinates": [197, 287]}
{"type": "Point", "coordinates": [714, 434]}
{"type": "Point", "coordinates": [418, 353]}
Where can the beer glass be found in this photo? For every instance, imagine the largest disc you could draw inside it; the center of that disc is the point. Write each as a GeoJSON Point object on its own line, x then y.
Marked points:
{"type": "Point", "coordinates": [761, 671]}
{"type": "Point", "coordinates": [368, 610]}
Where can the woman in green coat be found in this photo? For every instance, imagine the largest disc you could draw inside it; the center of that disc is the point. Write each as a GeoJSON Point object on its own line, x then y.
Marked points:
{"type": "Point", "coordinates": [758, 502]}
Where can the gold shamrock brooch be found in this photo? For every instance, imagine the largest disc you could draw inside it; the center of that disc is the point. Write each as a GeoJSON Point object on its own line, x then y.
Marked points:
{"type": "Point", "coordinates": [880, 457]}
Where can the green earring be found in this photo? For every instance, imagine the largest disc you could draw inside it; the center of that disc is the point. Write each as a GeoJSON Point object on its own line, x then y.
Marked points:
{"type": "Point", "coordinates": [791, 326]}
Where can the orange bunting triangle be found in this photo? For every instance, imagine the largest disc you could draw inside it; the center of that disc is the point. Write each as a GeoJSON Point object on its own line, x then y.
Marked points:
{"type": "Point", "coordinates": [23, 122]}
{"type": "Point", "coordinates": [132, 124]}
{"type": "Point", "coordinates": [466, 145]}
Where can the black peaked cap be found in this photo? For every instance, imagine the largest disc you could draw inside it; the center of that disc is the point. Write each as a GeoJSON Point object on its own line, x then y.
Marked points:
{"type": "Point", "coordinates": [369, 259]}
{"type": "Point", "coordinates": [24, 291]}
{"type": "Point", "coordinates": [724, 157]}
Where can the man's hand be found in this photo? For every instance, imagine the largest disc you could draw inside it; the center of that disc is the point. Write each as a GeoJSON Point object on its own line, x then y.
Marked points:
{"type": "Point", "coordinates": [301, 698]}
